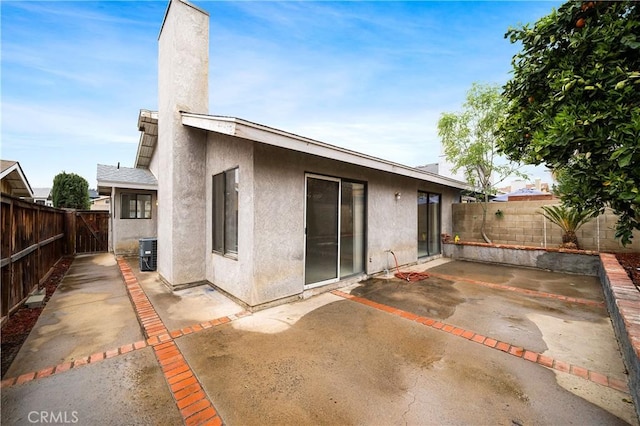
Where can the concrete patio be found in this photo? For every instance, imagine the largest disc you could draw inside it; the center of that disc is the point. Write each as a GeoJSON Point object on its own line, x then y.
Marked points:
{"type": "Point", "coordinates": [473, 344]}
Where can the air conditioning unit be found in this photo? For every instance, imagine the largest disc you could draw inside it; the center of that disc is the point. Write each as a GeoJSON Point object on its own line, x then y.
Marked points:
{"type": "Point", "coordinates": [148, 254]}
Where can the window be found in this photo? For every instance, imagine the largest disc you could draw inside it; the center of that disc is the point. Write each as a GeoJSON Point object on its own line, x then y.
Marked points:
{"type": "Point", "coordinates": [135, 206]}
{"type": "Point", "coordinates": [225, 212]}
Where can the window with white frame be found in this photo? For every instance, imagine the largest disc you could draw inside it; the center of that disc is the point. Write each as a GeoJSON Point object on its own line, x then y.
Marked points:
{"type": "Point", "coordinates": [225, 212]}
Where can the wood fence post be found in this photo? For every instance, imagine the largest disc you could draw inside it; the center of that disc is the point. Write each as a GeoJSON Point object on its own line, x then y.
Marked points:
{"type": "Point", "coordinates": [70, 231]}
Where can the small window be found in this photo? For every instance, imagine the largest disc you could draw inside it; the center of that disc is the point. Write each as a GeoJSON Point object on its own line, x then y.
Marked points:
{"type": "Point", "coordinates": [225, 212]}
{"type": "Point", "coordinates": [135, 206]}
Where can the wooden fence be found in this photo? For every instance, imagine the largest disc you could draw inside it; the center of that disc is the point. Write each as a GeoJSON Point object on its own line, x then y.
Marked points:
{"type": "Point", "coordinates": [91, 231]}
{"type": "Point", "coordinates": [35, 238]}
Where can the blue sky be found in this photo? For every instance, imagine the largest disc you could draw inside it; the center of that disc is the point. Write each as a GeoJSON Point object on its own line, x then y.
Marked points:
{"type": "Point", "coordinates": [369, 76]}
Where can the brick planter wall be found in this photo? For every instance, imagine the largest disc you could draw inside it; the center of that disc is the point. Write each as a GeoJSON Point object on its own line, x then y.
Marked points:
{"type": "Point", "coordinates": [623, 303]}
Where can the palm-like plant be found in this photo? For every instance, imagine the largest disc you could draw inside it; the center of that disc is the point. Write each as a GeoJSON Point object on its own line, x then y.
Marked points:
{"type": "Point", "coordinates": [569, 220]}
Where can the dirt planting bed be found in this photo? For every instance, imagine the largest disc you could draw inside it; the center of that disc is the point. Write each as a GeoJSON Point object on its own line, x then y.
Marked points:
{"type": "Point", "coordinates": [631, 263]}
{"type": "Point", "coordinates": [18, 326]}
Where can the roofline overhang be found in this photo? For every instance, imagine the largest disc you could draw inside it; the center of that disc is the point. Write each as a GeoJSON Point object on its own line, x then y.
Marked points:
{"type": "Point", "coordinates": [279, 138]}
{"type": "Point", "coordinates": [145, 118]}
{"type": "Point", "coordinates": [126, 185]}
{"type": "Point", "coordinates": [18, 169]}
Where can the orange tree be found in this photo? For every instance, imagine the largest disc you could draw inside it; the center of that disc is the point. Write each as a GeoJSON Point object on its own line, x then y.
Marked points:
{"type": "Point", "coordinates": [573, 104]}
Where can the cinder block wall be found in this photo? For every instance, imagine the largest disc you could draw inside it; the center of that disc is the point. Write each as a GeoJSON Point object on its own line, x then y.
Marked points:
{"type": "Point", "coordinates": [522, 224]}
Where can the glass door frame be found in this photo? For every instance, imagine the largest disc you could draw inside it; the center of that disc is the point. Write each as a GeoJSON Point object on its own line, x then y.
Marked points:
{"type": "Point", "coordinates": [304, 273]}
{"type": "Point", "coordinates": [430, 236]}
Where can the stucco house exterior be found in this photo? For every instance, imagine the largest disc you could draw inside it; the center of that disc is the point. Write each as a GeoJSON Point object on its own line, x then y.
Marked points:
{"type": "Point", "coordinates": [101, 203]}
{"type": "Point", "coordinates": [42, 196]}
{"type": "Point", "coordinates": [262, 214]}
{"type": "Point", "coordinates": [132, 193]}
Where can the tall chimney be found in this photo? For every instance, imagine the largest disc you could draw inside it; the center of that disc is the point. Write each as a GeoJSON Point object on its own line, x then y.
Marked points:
{"type": "Point", "coordinates": [183, 85]}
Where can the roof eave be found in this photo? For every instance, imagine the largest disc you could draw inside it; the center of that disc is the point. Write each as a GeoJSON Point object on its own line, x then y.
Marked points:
{"type": "Point", "coordinates": [268, 135]}
{"type": "Point", "coordinates": [104, 186]}
{"type": "Point", "coordinates": [15, 168]}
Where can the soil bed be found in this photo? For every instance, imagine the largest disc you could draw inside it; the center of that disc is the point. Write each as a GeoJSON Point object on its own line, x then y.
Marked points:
{"type": "Point", "coordinates": [18, 326]}
{"type": "Point", "coordinates": [631, 263]}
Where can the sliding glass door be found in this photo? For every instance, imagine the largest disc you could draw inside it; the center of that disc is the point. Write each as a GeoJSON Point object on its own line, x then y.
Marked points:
{"type": "Point", "coordinates": [351, 228]}
{"type": "Point", "coordinates": [428, 224]}
{"type": "Point", "coordinates": [334, 229]}
{"type": "Point", "coordinates": [321, 262]}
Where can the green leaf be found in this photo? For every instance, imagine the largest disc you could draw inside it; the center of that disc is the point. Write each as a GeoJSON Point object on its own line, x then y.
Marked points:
{"type": "Point", "coordinates": [625, 161]}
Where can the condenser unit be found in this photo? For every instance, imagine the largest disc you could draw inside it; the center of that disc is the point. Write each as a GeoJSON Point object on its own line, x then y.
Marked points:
{"type": "Point", "coordinates": [148, 254]}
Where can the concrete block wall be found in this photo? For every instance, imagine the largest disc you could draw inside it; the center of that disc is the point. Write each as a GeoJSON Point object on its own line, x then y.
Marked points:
{"type": "Point", "coordinates": [522, 224]}
{"type": "Point", "coordinates": [557, 260]}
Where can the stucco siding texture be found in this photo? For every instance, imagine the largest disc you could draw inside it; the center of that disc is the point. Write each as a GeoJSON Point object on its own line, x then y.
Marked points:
{"type": "Point", "coordinates": [127, 232]}
{"type": "Point", "coordinates": [235, 275]}
{"type": "Point", "coordinates": [183, 72]}
{"type": "Point", "coordinates": [278, 228]}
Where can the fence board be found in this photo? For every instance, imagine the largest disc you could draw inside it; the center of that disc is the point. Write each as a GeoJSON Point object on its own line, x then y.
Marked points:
{"type": "Point", "coordinates": [92, 231]}
{"type": "Point", "coordinates": [32, 242]}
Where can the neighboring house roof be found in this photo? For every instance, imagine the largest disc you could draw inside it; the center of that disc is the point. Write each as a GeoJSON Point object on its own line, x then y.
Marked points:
{"type": "Point", "coordinates": [124, 177]}
{"type": "Point", "coordinates": [431, 168]}
{"type": "Point", "coordinates": [148, 126]}
{"type": "Point", "coordinates": [11, 173]}
{"type": "Point", "coordinates": [43, 193]}
{"type": "Point", "coordinates": [270, 136]}
{"type": "Point", "coordinates": [93, 194]}
{"type": "Point", "coordinates": [522, 192]}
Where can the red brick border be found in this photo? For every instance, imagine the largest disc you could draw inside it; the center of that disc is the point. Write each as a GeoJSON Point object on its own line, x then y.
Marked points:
{"type": "Point", "coordinates": [528, 292]}
{"type": "Point", "coordinates": [65, 366]}
{"type": "Point", "coordinates": [193, 403]}
{"type": "Point", "coordinates": [623, 303]}
{"type": "Point", "coordinates": [489, 342]}
{"type": "Point", "coordinates": [191, 399]}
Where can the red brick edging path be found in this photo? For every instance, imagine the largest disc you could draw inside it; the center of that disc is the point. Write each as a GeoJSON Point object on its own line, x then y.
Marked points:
{"type": "Point", "coordinates": [194, 405]}
{"type": "Point", "coordinates": [191, 400]}
{"type": "Point", "coordinates": [516, 351]}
